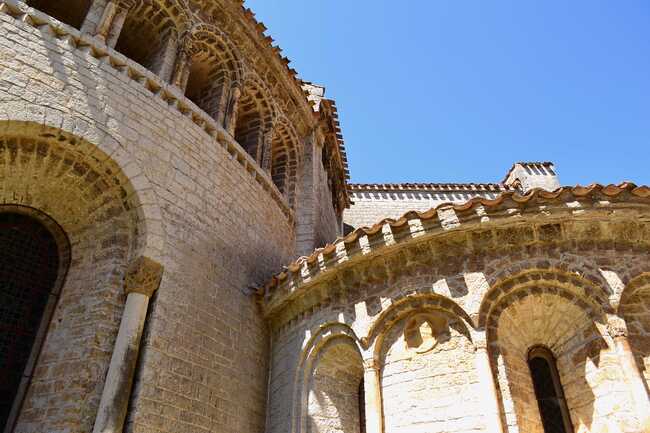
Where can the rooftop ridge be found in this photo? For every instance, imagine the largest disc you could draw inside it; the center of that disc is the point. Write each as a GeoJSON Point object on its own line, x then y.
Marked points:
{"type": "Point", "coordinates": [432, 185]}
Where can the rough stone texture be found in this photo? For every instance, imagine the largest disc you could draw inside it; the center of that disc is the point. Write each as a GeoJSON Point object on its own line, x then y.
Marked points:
{"type": "Point", "coordinates": [528, 272]}
{"type": "Point", "coordinates": [372, 205]}
{"type": "Point", "coordinates": [128, 166]}
{"type": "Point", "coordinates": [333, 401]}
{"type": "Point", "coordinates": [430, 385]}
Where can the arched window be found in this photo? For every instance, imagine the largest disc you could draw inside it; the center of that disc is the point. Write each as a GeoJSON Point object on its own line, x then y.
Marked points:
{"type": "Point", "coordinates": [149, 38]}
{"type": "Point", "coordinates": [30, 268]}
{"type": "Point", "coordinates": [71, 12]}
{"type": "Point", "coordinates": [548, 390]}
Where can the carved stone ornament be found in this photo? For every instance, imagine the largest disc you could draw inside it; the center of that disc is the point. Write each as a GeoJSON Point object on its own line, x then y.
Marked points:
{"type": "Point", "coordinates": [423, 332]}
{"type": "Point", "coordinates": [143, 276]}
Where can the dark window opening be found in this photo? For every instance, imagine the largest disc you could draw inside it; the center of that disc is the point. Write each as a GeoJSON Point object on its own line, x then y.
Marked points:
{"type": "Point", "coordinates": [548, 391]}
{"type": "Point", "coordinates": [362, 408]}
{"type": "Point", "coordinates": [29, 265]}
{"type": "Point", "coordinates": [144, 38]}
{"type": "Point", "coordinates": [71, 12]}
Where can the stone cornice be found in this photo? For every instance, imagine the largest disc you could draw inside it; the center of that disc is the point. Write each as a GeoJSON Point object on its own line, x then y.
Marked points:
{"type": "Point", "coordinates": [478, 225]}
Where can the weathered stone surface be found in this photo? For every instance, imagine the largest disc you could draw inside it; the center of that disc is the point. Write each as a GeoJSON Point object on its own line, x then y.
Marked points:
{"type": "Point", "coordinates": [171, 134]}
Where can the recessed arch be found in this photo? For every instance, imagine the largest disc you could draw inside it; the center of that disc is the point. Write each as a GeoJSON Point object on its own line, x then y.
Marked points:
{"type": "Point", "coordinates": [254, 118]}
{"type": "Point", "coordinates": [33, 267]}
{"type": "Point", "coordinates": [325, 336]}
{"type": "Point", "coordinates": [573, 329]}
{"type": "Point", "coordinates": [150, 35]}
{"type": "Point", "coordinates": [582, 288]}
{"type": "Point", "coordinates": [412, 352]}
{"type": "Point", "coordinates": [88, 194]}
{"type": "Point", "coordinates": [406, 306]}
{"type": "Point", "coordinates": [215, 70]}
{"type": "Point", "coordinates": [283, 160]}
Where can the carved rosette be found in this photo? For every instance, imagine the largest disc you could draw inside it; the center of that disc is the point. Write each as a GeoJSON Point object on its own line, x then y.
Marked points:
{"type": "Point", "coordinates": [143, 276]}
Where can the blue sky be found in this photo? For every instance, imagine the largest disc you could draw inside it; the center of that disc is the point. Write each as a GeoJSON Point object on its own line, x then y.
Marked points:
{"type": "Point", "coordinates": [457, 90]}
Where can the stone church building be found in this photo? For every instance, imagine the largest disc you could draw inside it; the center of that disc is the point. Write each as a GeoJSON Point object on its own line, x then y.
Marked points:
{"type": "Point", "coordinates": [181, 252]}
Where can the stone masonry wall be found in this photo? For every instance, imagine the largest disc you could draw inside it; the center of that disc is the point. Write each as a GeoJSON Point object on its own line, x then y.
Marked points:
{"type": "Point", "coordinates": [431, 386]}
{"type": "Point", "coordinates": [216, 229]}
{"type": "Point", "coordinates": [371, 206]}
{"type": "Point", "coordinates": [459, 275]}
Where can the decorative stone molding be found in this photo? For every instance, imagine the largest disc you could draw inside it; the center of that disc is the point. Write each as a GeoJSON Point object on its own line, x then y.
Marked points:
{"type": "Point", "coordinates": [143, 276]}
{"type": "Point", "coordinates": [616, 327]}
{"type": "Point", "coordinates": [597, 217]}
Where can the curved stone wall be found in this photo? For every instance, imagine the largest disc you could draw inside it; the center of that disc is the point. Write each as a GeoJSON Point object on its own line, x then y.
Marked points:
{"type": "Point", "coordinates": [93, 124]}
{"type": "Point", "coordinates": [545, 269]}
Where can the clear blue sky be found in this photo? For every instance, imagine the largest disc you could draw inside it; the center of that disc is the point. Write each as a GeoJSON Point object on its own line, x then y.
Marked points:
{"type": "Point", "coordinates": [457, 90]}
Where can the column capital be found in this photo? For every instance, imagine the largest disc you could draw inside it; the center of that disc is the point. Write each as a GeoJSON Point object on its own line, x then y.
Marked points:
{"type": "Point", "coordinates": [616, 327]}
{"type": "Point", "coordinates": [371, 364]}
{"type": "Point", "coordinates": [143, 276]}
{"type": "Point", "coordinates": [479, 339]}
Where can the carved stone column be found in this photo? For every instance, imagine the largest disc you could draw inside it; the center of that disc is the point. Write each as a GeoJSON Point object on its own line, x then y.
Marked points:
{"type": "Point", "coordinates": [231, 112]}
{"type": "Point", "coordinates": [372, 397]}
{"type": "Point", "coordinates": [488, 391]}
{"type": "Point", "coordinates": [617, 329]}
{"type": "Point", "coordinates": [142, 279]}
{"type": "Point", "coordinates": [183, 63]}
{"type": "Point", "coordinates": [112, 20]}
{"type": "Point", "coordinates": [266, 152]}
{"type": "Point", "coordinates": [166, 66]}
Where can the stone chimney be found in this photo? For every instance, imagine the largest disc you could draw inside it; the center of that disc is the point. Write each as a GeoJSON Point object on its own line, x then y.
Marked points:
{"type": "Point", "coordinates": [530, 175]}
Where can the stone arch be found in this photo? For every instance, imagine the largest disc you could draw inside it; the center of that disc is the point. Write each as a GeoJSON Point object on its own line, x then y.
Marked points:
{"type": "Point", "coordinates": [70, 12]}
{"type": "Point", "coordinates": [89, 195]}
{"type": "Point", "coordinates": [254, 118]}
{"type": "Point", "coordinates": [407, 305]}
{"type": "Point", "coordinates": [283, 160]}
{"type": "Point", "coordinates": [414, 343]}
{"type": "Point", "coordinates": [634, 308]}
{"type": "Point", "coordinates": [150, 34]}
{"type": "Point", "coordinates": [327, 336]}
{"type": "Point", "coordinates": [585, 287]}
{"type": "Point", "coordinates": [29, 238]}
{"type": "Point", "coordinates": [215, 70]}
{"type": "Point", "coordinates": [571, 323]}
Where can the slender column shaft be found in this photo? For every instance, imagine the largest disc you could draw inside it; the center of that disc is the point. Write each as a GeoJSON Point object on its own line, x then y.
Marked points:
{"type": "Point", "coordinates": [117, 388]}
{"type": "Point", "coordinates": [372, 397]}
{"type": "Point", "coordinates": [116, 26]}
{"type": "Point", "coordinates": [106, 21]}
{"type": "Point", "coordinates": [166, 67]}
{"type": "Point", "coordinates": [233, 106]}
{"type": "Point", "coordinates": [142, 279]}
{"type": "Point", "coordinates": [631, 373]}
{"type": "Point", "coordinates": [488, 392]}
{"type": "Point", "coordinates": [181, 70]}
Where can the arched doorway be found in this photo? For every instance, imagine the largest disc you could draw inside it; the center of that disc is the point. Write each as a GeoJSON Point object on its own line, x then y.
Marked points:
{"type": "Point", "coordinates": [34, 256]}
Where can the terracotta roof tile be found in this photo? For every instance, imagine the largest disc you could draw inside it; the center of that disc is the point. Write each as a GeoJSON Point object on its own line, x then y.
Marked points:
{"type": "Point", "coordinates": [537, 196]}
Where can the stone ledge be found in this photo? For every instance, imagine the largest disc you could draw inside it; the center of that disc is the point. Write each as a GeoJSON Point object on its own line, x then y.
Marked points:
{"type": "Point", "coordinates": [484, 218]}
